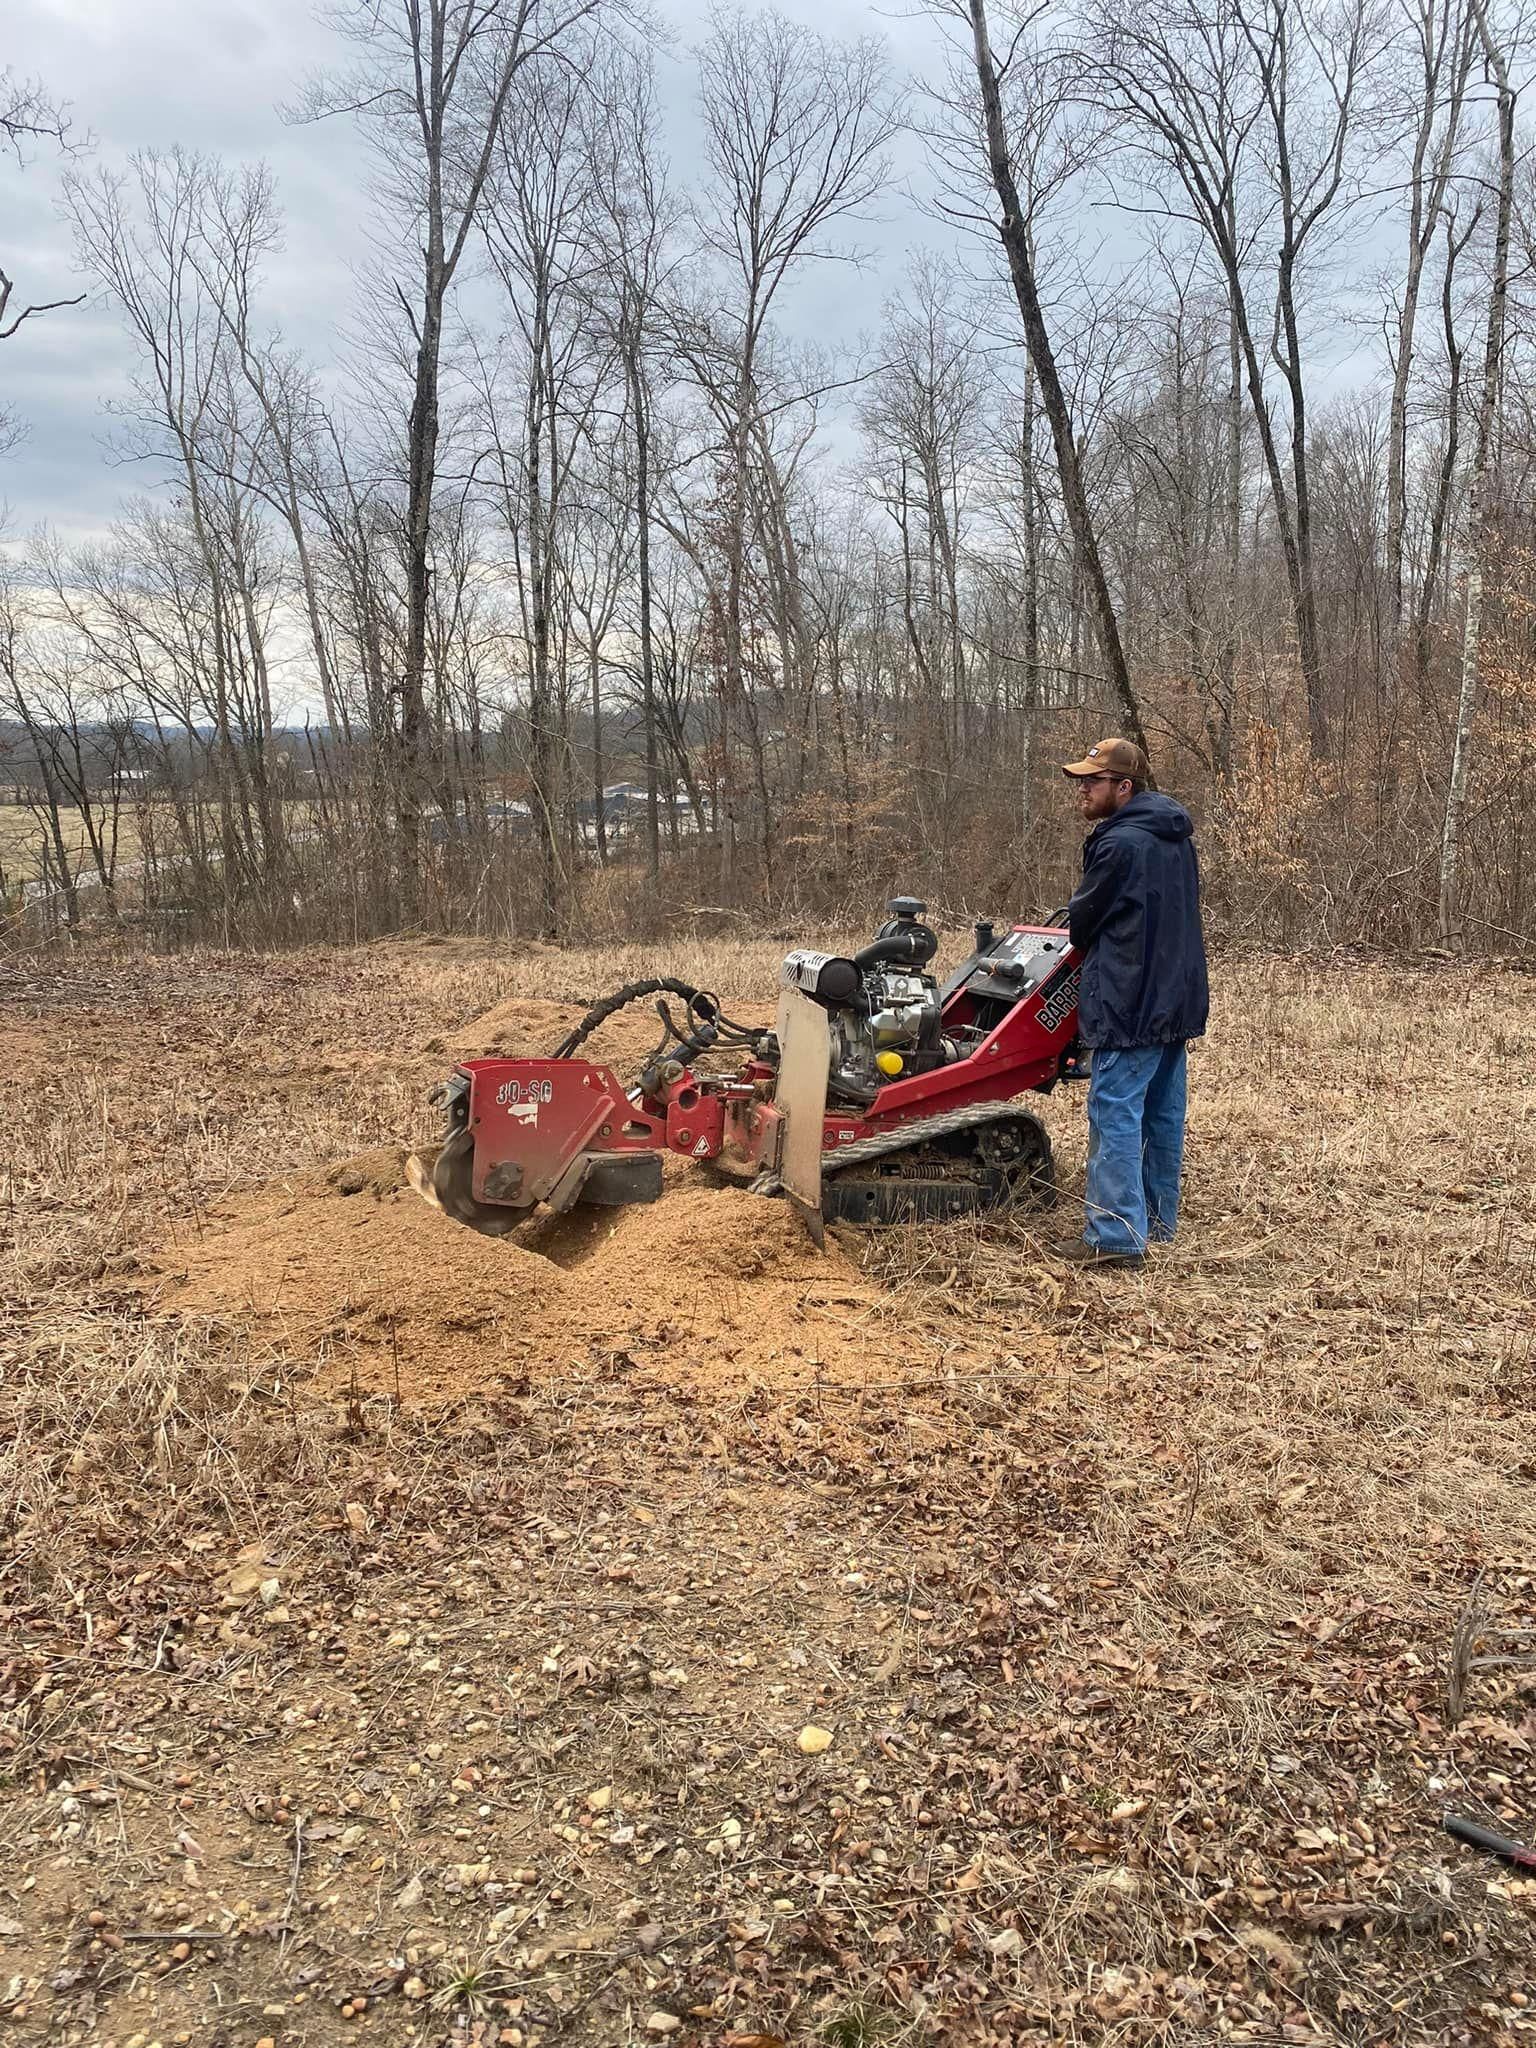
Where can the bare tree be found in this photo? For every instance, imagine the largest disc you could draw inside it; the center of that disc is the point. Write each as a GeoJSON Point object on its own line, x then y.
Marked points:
{"type": "Point", "coordinates": [79, 739]}
{"type": "Point", "coordinates": [1014, 231]}
{"type": "Point", "coordinates": [924, 412]}
{"type": "Point", "coordinates": [596, 558]}
{"type": "Point", "coordinates": [796, 131]}
{"type": "Point", "coordinates": [28, 113]}
{"type": "Point", "coordinates": [1292, 53]}
{"type": "Point", "coordinates": [639, 217]}
{"type": "Point", "coordinates": [136, 233]}
{"type": "Point", "coordinates": [1442, 39]}
{"type": "Point", "coordinates": [1176, 433]}
{"type": "Point", "coordinates": [539, 230]}
{"type": "Point", "coordinates": [611, 516]}
{"type": "Point", "coordinates": [432, 87]}
{"type": "Point", "coordinates": [1496, 58]}
{"type": "Point", "coordinates": [1252, 107]}
{"type": "Point", "coordinates": [1457, 237]}
{"type": "Point", "coordinates": [207, 606]}
{"type": "Point", "coordinates": [238, 224]}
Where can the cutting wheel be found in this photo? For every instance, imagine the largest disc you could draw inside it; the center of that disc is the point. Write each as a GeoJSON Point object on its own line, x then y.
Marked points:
{"type": "Point", "coordinates": [453, 1185]}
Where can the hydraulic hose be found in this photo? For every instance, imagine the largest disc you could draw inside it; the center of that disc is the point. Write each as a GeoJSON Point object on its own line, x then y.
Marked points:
{"type": "Point", "coordinates": [703, 1008]}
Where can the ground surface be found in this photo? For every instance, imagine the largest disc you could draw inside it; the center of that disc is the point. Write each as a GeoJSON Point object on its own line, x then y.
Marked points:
{"type": "Point", "coordinates": [408, 1637]}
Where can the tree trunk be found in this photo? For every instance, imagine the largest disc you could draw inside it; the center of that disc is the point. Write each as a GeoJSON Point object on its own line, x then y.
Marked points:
{"type": "Point", "coordinates": [639, 403]}
{"type": "Point", "coordinates": [1234, 539]}
{"type": "Point", "coordinates": [1308, 646]}
{"type": "Point", "coordinates": [421, 460]}
{"type": "Point", "coordinates": [1014, 233]}
{"type": "Point", "coordinates": [1481, 534]}
{"type": "Point", "coordinates": [733, 690]}
{"type": "Point", "coordinates": [1030, 490]}
{"type": "Point", "coordinates": [1445, 482]}
{"type": "Point", "coordinates": [599, 817]}
{"type": "Point", "coordinates": [541, 737]}
{"type": "Point", "coordinates": [1425, 205]}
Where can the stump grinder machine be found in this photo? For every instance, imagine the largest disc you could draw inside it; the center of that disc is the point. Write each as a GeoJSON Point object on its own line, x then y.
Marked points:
{"type": "Point", "coordinates": [879, 1097]}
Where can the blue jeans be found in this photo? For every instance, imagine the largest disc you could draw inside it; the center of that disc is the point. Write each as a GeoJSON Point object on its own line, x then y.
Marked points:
{"type": "Point", "coordinates": [1136, 1102]}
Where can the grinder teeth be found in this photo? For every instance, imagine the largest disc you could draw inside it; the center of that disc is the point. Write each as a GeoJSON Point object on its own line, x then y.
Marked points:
{"type": "Point", "coordinates": [418, 1172]}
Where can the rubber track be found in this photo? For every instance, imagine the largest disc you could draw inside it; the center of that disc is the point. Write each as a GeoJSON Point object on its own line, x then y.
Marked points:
{"type": "Point", "coordinates": [917, 1133]}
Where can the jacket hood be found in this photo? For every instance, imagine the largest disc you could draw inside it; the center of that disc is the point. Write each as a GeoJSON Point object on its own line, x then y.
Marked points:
{"type": "Point", "coordinates": [1147, 811]}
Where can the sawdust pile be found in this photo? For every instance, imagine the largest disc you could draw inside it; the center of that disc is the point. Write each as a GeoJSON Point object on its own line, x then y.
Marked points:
{"type": "Point", "coordinates": [523, 1028]}
{"type": "Point", "coordinates": [347, 1274]}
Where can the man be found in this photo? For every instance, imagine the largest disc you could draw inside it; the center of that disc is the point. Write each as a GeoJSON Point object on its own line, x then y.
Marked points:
{"type": "Point", "coordinates": [1135, 918]}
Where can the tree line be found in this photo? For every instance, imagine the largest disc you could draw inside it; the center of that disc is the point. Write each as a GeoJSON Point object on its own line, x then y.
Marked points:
{"type": "Point", "coordinates": [1201, 412]}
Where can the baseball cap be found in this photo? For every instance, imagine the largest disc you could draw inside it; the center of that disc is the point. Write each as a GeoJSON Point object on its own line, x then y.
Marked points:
{"type": "Point", "coordinates": [1112, 757]}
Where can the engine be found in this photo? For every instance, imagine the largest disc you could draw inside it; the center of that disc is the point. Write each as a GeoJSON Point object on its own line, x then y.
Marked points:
{"type": "Point", "coordinates": [884, 1010]}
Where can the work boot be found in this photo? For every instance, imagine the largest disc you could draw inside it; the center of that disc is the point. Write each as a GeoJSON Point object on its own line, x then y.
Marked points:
{"type": "Point", "coordinates": [1081, 1253]}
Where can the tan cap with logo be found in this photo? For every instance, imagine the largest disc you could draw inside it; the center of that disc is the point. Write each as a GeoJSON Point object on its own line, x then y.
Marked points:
{"type": "Point", "coordinates": [1112, 757]}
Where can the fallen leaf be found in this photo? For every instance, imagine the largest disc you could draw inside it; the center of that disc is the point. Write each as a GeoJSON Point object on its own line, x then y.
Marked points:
{"type": "Point", "coordinates": [1265, 1942]}
{"type": "Point", "coordinates": [1112, 1655]}
{"type": "Point", "coordinates": [1502, 1732]}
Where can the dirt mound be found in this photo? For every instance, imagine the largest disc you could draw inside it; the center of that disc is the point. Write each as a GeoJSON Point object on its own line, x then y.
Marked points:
{"type": "Point", "coordinates": [522, 1028]}
{"type": "Point", "coordinates": [340, 1283]}
{"type": "Point", "coordinates": [698, 1254]}
{"type": "Point", "coordinates": [378, 1172]}
{"type": "Point", "coordinates": [347, 1274]}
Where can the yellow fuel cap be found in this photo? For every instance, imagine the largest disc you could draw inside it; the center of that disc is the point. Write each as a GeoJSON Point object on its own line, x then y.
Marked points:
{"type": "Point", "coordinates": [889, 1063]}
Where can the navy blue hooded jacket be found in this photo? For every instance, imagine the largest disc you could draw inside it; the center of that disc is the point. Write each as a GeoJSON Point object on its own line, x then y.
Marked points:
{"type": "Point", "coordinates": [1135, 917]}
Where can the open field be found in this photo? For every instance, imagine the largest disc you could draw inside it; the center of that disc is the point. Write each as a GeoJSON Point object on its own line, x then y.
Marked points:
{"type": "Point", "coordinates": [24, 837]}
{"type": "Point", "coordinates": [26, 850]}
{"type": "Point", "coordinates": [407, 1637]}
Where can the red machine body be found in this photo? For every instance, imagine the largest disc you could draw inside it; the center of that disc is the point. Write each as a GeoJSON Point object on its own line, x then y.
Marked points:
{"type": "Point", "coordinates": [561, 1130]}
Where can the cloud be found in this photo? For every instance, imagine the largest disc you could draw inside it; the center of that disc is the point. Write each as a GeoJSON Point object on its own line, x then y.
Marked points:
{"type": "Point", "coordinates": [211, 75]}
{"type": "Point", "coordinates": [152, 75]}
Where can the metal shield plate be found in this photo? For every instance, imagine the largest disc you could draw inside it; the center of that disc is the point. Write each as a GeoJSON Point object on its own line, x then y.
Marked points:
{"type": "Point", "coordinates": [801, 1098]}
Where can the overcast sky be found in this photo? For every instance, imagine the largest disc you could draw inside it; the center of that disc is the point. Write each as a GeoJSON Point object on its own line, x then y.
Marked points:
{"type": "Point", "coordinates": [211, 75]}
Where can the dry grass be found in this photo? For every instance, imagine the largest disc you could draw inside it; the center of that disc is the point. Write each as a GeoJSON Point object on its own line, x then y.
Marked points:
{"type": "Point", "coordinates": [1347, 1311]}
{"type": "Point", "coordinates": [1136, 1604]}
